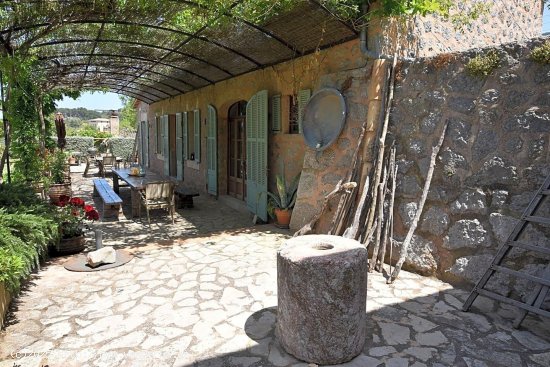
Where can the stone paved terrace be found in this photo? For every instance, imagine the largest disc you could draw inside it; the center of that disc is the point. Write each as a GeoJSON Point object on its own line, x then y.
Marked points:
{"type": "Point", "coordinates": [203, 292]}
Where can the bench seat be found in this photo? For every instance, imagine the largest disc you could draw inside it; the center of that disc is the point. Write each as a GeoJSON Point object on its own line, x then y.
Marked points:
{"type": "Point", "coordinates": [185, 197]}
{"type": "Point", "coordinates": [111, 201]}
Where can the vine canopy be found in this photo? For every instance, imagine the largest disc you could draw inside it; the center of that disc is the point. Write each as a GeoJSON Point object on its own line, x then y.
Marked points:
{"type": "Point", "coordinates": [152, 50]}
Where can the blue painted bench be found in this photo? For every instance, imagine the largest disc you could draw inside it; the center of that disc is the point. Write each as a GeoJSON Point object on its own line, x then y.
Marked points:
{"type": "Point", "coordinates": [111, 201]}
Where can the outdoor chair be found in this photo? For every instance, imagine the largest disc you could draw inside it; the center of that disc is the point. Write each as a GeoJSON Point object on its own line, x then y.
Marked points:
{"type": "Point", "coordinates": [158, 195]}
{"type": "Point", "coordinates": [107, 164]}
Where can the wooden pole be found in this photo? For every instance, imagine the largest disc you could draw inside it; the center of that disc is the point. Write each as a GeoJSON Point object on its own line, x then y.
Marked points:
{"type": "Point", "coordinates": [380, 157]}
{"type": "Point", "coordinates": [389, 223]}
{"type": "Point", "coordinates": [414, 224]}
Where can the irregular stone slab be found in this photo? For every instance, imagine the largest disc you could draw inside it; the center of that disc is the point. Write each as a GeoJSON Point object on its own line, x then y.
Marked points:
{"type": "Point", "coordinates": [466, 233]}
{"type": "Point", "coordinates": [395, 334]}
{"type": "Point", "coordinates": [470, 201]}
{"type": "Point", "coordinates": [322, 288]}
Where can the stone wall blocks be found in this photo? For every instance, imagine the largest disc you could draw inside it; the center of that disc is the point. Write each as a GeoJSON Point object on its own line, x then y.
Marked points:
{"type": "Point", "coordinates": [422, 255]}
{"type": "Point", "coordinates": [459, 131]}
{"type": "Point", "coordinates": [407, 211]}
{"type": "Point", "coordinates": [486, 142]}
{"type": "Point", "coordinates": [308, 184]}
{"type": "Point", "coordinates": [416, 147]}
{"type": "Point", "coordinates": [473, 201]}
{"type": "Point", "coordinates": [435, 221]}
{"type": "Point", "coordinates": [463, 105]}
{"type": "Point", "coordinates": [498, 198]}
{"type": "Point", "coordinates": [466, 233]}
{"type": "Point", "coordinates": [471, 268]}
{"type": "Point", "coordinates": [513, 145]}
{"type": "Point", "coordinates": [509, 78]}
{"type": "Point", "coordinates": [428, 123]}
{"type": "Point", "coordinates": [517, 98]}
{"type": "Point", "coordinates": [532, 120]}
{"type": "Point", "coordinates": [490, 117]}
{"type": "Point", "coordinates": [408, 186]}
{"type": "Point", "coordinates": [464, 83]}
{"type": "Point", "coordinates": [533, 176]}
{"type": "Point", "coordinates": [538, 148]}
{"type": "Point", "coordinates": [501, 225]}
{"type": "Point", "coordinates": [490, 96]}
{"type": "Point", "coordinates": [495, 171]}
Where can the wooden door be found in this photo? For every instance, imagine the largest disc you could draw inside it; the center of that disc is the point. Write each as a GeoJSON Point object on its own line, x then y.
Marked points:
{"type": "Point", "coordinates": [237, 151]}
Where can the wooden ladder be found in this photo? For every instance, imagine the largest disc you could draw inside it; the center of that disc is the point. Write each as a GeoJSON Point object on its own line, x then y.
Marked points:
{"type": "Point", "coordinates": [536, 299]}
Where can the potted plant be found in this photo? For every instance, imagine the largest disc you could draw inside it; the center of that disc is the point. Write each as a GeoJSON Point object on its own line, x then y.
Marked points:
{"type": "Point", "coordinates": [283, 201]}
{"type": "Point", "coordinates": [72, 216]}
{"type": "Point", "coordinates": [59, 182]}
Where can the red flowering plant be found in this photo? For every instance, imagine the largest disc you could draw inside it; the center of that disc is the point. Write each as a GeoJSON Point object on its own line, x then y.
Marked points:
{"type": "Point", "coordinates": [73, 212]}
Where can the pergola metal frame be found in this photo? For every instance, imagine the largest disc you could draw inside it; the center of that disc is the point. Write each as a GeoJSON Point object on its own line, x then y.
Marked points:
{"type": "Point", "coordinates": [149, 59]}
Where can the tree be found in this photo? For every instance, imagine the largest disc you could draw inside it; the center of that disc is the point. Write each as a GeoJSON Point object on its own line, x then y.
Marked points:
{"type": "Point", "coordinates": [127, 116]}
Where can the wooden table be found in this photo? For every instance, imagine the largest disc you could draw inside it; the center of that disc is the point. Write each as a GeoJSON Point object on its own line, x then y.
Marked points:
{"type": "Point", "coordinates": [137, 183]}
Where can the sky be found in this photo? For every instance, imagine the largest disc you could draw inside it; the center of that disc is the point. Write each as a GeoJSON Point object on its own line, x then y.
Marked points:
{"type": "Point", "coordinates": [93, 101]}
{"type": "Point", "coordinates": [111, 101]}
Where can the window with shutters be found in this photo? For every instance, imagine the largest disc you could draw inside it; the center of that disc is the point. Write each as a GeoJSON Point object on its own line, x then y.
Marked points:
{"type": "Point", "coordinates": [190, 136]}
{"type": "Point", "coordinates": [158, 135]}
{"type": "Point", "coordinates": [297, 104]}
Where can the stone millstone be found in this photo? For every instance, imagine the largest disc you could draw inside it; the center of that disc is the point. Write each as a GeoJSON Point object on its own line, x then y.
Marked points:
{"type": "Point", "coordinates": [322, 295]}
{"type": "Point", "coordinates": [105, 255]}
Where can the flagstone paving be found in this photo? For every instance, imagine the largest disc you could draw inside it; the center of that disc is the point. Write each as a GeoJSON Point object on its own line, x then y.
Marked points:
{"type": "Point", "coordinates": [193, 297]}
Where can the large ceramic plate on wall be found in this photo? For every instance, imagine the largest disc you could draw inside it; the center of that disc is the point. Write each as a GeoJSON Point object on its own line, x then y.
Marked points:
{"type": "Point", "coordinates": [324, 118]}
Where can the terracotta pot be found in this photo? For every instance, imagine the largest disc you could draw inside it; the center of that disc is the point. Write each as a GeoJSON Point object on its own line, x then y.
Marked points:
{"type": "Point", "coordinates": [283, 217]}
{"type": "Point", "coordinates": [71, 245]}
{"type": "Point", "coordinates": [56, 190]}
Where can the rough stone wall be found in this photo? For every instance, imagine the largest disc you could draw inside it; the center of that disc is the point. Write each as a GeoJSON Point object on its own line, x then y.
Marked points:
{"type": "Point", "coordinates": [494, 157]}
{"type": "Point", "coordinates": [507, 21]}
{"type": "Point", "coordinates": [321, 173]}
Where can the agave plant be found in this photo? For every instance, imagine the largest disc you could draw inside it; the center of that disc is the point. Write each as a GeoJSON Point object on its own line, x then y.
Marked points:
{"type": "Point", "coordinates": [286, 195]}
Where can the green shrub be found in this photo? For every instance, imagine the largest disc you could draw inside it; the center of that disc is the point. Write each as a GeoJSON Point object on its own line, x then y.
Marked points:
{"type": "Point", "coordinates": [483, 65]}
{"type": "Point", "coordinates": [541, 54]}
{"type": "Point", "coordinates": [28, 225]}
{"type": "Point", "coordinates": [121, 147]}
{"type": "Point", "coordinates": [79, 144]}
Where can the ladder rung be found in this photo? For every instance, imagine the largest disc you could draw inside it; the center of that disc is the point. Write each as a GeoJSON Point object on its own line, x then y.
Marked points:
{"type": "Point", "coordinates": [513, 302]}
{"type": "Point", "coordinates": [545, 192]}
{"type": "Point", "coordinates": [520, 274]}
{"type": "Point", "coordinates": [536, 219]}
{"type": "Point", "coordinates": [543, 250]}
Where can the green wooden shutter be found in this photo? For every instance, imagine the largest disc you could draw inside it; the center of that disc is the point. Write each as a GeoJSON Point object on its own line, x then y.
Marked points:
{"type": "Point", "coordinates": [276, 113]}
{"type": "Point", "coordinates": [303, 98]}
{"type": "Point", "coordinates": [165, 145]}
{"type": "Point", "coordinates": [185, 144]}
{"type": "Point", "coordinates": [256, 152]}
{"type": "Point", "coordinates": [179, 146]}
{"type": "Point", "coordinates": [197, 133]}
{"type": "Point", "coordinates": [144, 146]}
{"type": "Point", "coordinates": [212, 151]}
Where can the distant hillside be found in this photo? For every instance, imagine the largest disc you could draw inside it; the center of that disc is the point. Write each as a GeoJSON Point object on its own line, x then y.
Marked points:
{"type": "Point", "coordinates": [82, 113]}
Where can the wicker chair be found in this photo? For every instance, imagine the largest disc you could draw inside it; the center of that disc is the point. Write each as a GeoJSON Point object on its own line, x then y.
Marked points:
{"type": "Point", "coordinates": [158, 195]}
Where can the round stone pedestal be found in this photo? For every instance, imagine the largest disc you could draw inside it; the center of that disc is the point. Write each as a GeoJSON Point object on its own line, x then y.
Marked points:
{"type": "Point", "coordinates": [322, 295]}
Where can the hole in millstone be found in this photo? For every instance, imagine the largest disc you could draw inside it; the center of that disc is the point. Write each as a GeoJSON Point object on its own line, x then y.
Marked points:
{"type": "Point", "coordinates": [323, 246]}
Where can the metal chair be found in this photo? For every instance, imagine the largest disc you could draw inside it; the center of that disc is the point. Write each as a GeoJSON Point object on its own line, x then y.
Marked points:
{"type": "Point", "coordinates": [158, 195]}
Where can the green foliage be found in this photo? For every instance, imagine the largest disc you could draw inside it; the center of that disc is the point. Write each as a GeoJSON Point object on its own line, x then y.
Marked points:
{"type": "Point", "coordinates": [483, 65]}
{"type": "Point", "coordinates": [28, 226]}
{"type": "Point", "coordinates": [121, 147]}
{"type": "Point", "coordinates": [79, 144]}
{"type": "Point", "coordinates": [127, 117]}
{"type": "Point", "coordinates": [80, 113]}
{"type": "Point", "coordinates": [87, 130]}
{"type": "Point", "coordinates": [58, 166]}
{"type": "Point", "coordinates": [285, 198]}
{"type": "Point", "coordinates": [541, 54]}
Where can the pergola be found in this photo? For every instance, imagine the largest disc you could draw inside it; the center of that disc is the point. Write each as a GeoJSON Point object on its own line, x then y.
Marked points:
{"type": "Point", "coordinates": [153, 50]}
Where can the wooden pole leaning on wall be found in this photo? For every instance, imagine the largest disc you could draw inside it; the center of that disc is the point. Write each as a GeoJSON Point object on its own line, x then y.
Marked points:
{"type": "Point", "coordinates": [381, 147]}
{"type": "Point", "coordinates": [414, 223]}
